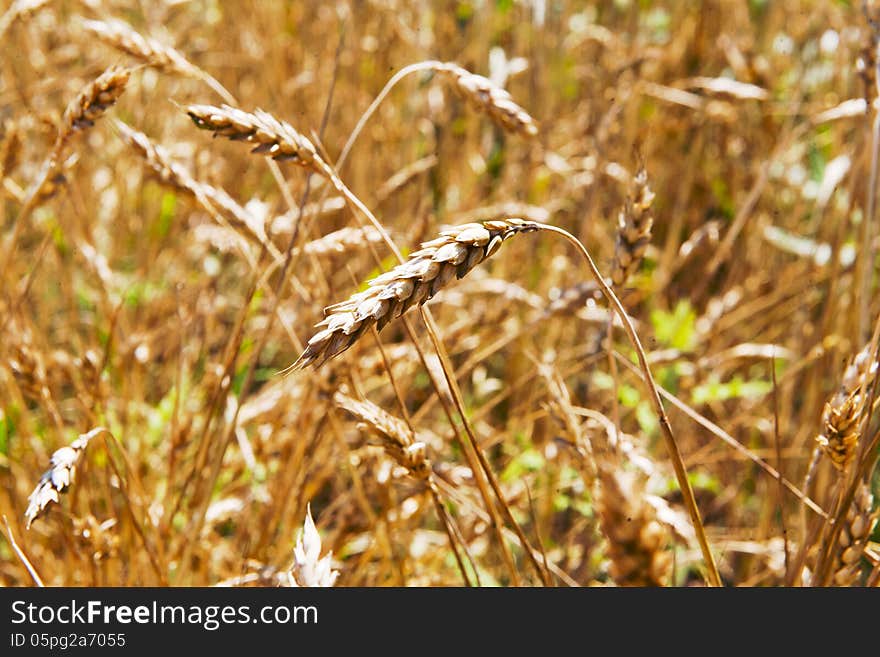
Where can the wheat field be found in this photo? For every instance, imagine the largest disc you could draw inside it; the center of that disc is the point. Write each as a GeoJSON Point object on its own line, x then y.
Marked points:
{"type": "Point", "coordinates": [448, 293]}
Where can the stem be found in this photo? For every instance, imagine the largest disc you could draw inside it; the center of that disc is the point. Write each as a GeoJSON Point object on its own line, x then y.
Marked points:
{"type": "Point", "coordinates": [865, 268]}
{"type": "Point", "coordinates": [671, 445]}
{"type": "Point", "coordinates": [397, 77]}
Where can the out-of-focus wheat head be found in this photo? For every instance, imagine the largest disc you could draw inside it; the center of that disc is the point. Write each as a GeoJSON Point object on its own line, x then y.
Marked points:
{"type": "Point", "coordinates": [633, 230]}
{"type": "Point", "coordinates": [309, 568]}
{"type": "Point", "coordinates": [637, 542]}
{"type": "Point", "coordinates": [844, 412]}
{"type": "Point", "coordinates": [486, 96]}
{"type": "Point", "coordinates": [854, 537]}
{"type": "Point", "coordinates": [59, 476]}
{"type": "Point", "coordinates": [394, 433]}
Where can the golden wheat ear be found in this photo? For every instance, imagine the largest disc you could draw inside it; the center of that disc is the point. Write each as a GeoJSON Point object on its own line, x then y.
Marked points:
{"type": "Point", "coordinates": [410, 284]}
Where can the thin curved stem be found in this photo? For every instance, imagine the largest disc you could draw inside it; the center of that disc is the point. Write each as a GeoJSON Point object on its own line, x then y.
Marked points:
{"type": "Point", "coordinates": [397, 77]}
{"type": "Point", "coordinates": [671, 445]}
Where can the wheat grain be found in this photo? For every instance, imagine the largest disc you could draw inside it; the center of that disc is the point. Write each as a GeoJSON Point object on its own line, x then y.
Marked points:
{"type": "Point", "coordinates": [122, 36]}
{"type": "Point", "coordinates": [410, 284]}
{"type": "Point", "coordinates": [484, 95]}
{"type": "Point", "coordinates": [59, 476]}
{"type": "Point", "coordinates": [633, 231]}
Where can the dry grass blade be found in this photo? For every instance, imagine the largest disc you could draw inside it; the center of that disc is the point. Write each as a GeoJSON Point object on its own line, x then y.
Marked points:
{"type": "Point", "coordinates": [410, 284]}
{"type": "Point", "coordinates": [633, 230]}
{"type": "Point", "coordinates": [124, 37]}
{"type": "Point", "coordinates": [59, 476]}
{"type": "Point", "coordinates": [309, 568]}
{"type": "Point", "coordinates": [485, 96]}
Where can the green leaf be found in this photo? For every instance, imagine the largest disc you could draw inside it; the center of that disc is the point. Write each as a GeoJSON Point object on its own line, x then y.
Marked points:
{"type": "Point", "coordinates": [736, 388]}
{"type": "Point", "coordinates": [530, 460]}
{"type": "Point", "coordinates": [676, 329]}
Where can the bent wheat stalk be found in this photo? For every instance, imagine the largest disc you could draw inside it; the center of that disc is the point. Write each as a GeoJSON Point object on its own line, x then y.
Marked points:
{"type": "Point", "coordinates": [481, 92]}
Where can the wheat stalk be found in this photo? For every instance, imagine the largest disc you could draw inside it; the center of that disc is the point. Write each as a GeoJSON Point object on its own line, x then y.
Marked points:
{"type": "Point", "coordinates": [633, 230]}
{"type": "Point", "coordinates": [59, 476]}
{"type": "Point", "coordinates": [410, 284]}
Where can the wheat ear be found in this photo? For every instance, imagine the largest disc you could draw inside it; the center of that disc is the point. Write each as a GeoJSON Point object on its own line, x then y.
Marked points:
{"type": "Point", "coordinates": [92, 101]}
{"type": "Point", "coordinates": [279, 140]}
{"type": "Point", "coordinates": [854, 537]}
{"type": "Point", "coordinates": [59, 476]}
{"type": "Point", "coordinates": [636, 540]}
{"type": "Point", "coordinates": [18, 10]}
{"type": "Point", "coordinates": [481, 91]}
{"type": "Point", "coordinates": [402, 446]}
{"type": "Point", "coordinates": [633, 230]}
{"type": "Point", "coordinates": [90, 104]}
{"type": "Point", "coordinates": [122, 36]}
{"type": "Point", "coordinates": [844, 412]}
{"type": "Point", "coordinates": [410, 284]}
{"type": "Point", "coordinates": [171, 173]}
{"type": "Point", "coordinates": [486, 96]}
{"type": "Point", "coordinates": [151, 52]}
{"type": "Point", "coordinates": [273, 137]}
{"type": "Point", "coordinates": [309, 568]}
{"type": "Point", "coordinates": [394, 433]}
